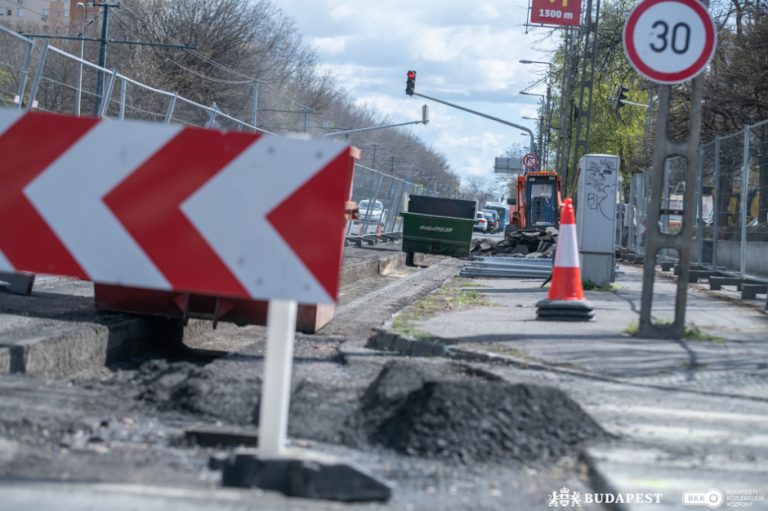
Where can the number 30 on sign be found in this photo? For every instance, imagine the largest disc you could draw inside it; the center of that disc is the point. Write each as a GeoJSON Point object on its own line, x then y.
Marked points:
{"type": "Point", "coordinates": [669, 41]}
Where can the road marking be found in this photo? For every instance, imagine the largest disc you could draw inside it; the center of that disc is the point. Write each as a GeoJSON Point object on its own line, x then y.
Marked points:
{"type": "Point", "coordinates": [654, 411]}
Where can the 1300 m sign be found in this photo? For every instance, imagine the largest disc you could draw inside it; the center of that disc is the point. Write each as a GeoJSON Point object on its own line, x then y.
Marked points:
{"type": "Point", "coordinates": [556, 12]}
{"type": "Point", "coordinates": [669, 41]}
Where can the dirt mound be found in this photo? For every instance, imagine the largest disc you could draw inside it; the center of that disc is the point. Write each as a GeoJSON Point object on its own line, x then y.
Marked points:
{"type": "Point", "coordinates": [471, 420]}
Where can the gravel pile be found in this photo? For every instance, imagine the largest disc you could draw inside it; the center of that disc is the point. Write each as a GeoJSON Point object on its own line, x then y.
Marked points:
{"type": "Point", "coordinates": [471, 420]}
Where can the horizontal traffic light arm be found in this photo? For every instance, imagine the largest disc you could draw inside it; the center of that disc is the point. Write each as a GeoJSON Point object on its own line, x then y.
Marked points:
{"type": "Point", "coordinates": [424, 120]}
{"type": "Point", "coordinates": [502, 121]}
{"type": "Point", "coordinates": [625, 102]}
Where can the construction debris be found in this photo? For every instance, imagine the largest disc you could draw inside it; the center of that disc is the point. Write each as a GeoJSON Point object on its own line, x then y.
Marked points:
{"type": "Point", "coordinates": [519, 243]}
{"type": "Point", "coordinates": [516, 267]}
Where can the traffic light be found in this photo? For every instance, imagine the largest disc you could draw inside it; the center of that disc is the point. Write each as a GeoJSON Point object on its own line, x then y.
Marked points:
{"type": "Point", "coordinates": [619, 97]}
{"type": "Point", "coordinates": [622, 96]}
{"type": "Point", "coordinates": [410, 82]}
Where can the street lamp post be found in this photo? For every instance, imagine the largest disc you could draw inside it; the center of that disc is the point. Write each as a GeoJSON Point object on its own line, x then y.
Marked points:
{"type": "Point", "coordinates": [541, 123]}
{"type": "Point", "coordinates": [547, 112]}
{"type": "Point", "coordinates": [79, 97]}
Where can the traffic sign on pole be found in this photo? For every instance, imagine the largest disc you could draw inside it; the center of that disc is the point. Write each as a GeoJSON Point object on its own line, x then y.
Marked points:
{"type": "Point", "coordinates": [530, 160]}
{"type": "Point", "coordinates": [165, 207]}
{"type": "Point", "coordinates": [669, 41]}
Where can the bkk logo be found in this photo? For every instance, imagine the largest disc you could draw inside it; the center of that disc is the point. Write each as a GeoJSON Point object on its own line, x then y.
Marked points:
{"type": "Point", "coordinates": [744, 498]}
{"type": "Point", "coordinates": [567, 498]}
{"type": "Point", "coordinates": [712, 498]}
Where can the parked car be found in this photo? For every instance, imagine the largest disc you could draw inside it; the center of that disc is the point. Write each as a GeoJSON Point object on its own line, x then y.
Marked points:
{"type": "Point", "coordinates": [376, 215]}
{"type": "Point", "coordinates": [481, 223]}
{"type": "Point", "coordinates": [493, 220]}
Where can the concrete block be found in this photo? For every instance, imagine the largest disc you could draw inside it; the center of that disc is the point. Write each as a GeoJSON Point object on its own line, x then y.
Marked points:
{"type": "Point", "coordinates": [17, 283]}
{"type": "Point", "coordinates": [750, 291]}
{"type": "Point", "coordinates": [716, 282]}
{"type": "Point", "coordinates": [695, 275]}
{"type": "Point", "coordinates": [388, 264]}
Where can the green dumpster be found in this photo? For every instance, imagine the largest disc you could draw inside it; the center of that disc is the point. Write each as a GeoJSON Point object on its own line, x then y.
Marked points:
{"type": "Point", "coordinates": [440, 226]}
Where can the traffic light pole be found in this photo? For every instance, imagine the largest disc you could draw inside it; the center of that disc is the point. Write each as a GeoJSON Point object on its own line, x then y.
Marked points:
{"type": "Point", "coordinates": [625, 102]}
{"type": "Point", "coordinates": [492, 118]}
{"type": "Point", "coordinates": [424, 120]}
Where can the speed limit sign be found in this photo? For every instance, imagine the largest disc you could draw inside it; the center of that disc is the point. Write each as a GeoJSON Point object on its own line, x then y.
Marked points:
{"type": "Point", "coordinates": [669, 41]}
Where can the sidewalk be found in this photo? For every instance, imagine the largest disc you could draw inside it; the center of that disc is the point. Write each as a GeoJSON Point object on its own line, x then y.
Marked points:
{"type": "Point", "coordinates": [689, 415]}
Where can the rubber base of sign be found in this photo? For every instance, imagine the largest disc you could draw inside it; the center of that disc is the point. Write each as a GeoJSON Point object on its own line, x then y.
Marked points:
{"type": "Point", "coordinates": [306, 478]}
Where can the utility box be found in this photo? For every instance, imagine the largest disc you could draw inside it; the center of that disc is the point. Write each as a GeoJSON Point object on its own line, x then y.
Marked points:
{"type": "Point", "coordinates": [597, 196]}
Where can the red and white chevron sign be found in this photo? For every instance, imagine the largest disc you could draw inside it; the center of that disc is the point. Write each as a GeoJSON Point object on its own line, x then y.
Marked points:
{"type": "Point", "coordinates": [173, 208]}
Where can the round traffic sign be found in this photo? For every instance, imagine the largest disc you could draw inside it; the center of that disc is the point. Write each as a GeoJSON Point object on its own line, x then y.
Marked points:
{"type": "Point", "coordinates": [669, 41]}
{"type": "Point", "coordinates": [530, 160]}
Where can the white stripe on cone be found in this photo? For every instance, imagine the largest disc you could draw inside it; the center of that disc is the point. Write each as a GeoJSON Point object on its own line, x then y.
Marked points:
{"type": "Point", "coordinates": [567, 255]}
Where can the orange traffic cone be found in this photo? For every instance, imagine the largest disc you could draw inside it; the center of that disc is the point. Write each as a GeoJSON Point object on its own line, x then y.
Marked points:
{"type": "Point", "coordinates": [565, 301]}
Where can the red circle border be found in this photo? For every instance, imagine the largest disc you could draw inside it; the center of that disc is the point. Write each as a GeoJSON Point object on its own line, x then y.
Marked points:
{"type": "Point", "coordinates": [679, 76]}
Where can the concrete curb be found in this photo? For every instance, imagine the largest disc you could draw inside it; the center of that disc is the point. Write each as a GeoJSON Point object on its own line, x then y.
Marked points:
{"type": "Point", "coordinates": [90, 345]}
{"type": "Point", "coordinates": [598, 480]}
{"type": "Point", "coordinates": [371, 267]}
{"type": "Point", "coordinates": [71, 347]}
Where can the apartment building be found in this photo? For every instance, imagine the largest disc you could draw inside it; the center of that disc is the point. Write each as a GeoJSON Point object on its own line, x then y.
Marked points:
{"type": "Point", "coordinates": [53, 16]}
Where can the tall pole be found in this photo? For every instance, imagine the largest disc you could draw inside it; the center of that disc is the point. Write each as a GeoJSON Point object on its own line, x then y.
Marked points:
{"type": "Point", "coordinates": [102, 52]}
{"type": "Point", "coordinates": [79, 98]}
{"type": "Point", "coordinates": [539, 153]}
{"type": "Point", "coordinates": [548, 121]}
{"type": "Point", "coordinates": [255, 111]}
{"type": "Point", "coordinates": [546, 117]}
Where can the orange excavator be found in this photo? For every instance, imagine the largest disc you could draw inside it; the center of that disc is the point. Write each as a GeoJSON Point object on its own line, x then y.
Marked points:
{"type": "Point", "coordinates": [536, 207]}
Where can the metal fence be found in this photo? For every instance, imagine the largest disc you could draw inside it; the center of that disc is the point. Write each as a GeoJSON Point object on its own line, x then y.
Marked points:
{"type": "Point", "coordinates": [735, 227]}
{"type": "Point", "coordinates": [731, 234]}
{"type": "Point", "coordinates": [37, 75]}
{"type": "Point", "coordinates": [381, 198]}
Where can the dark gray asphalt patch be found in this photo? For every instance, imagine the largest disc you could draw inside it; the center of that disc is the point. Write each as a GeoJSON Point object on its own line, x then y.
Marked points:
{"type": "Point", "coordinates": [469, 420]}
{"type": "Point", "coordinates": [436, 411]}
{"type": "Point", "coordinates": [189, 388]}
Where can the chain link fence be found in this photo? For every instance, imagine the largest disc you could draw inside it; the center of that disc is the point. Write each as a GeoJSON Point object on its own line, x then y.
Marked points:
{"type": "Point", "coordinates": [731, 234]}
{"type": "Point", "coordinates": [37, 75]}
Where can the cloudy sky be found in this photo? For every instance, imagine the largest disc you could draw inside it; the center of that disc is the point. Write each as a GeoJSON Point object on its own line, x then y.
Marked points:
{"type": "Point", "coordinates": [464, 51]}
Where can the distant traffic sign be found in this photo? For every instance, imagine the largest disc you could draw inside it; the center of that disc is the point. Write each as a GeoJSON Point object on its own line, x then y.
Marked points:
{"type": "Point", "coordinates": [530, 160]}
{"type": "Point", "coordinates": [669, 41]}
{"type": "Point", "coordinates": [172, 207]}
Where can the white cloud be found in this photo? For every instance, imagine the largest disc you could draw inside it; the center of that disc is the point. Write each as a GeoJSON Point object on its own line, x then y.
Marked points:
{"type": "Point", "coordinates": [329, 46]}
{"type": "Point", "coordinates": [465, 52]}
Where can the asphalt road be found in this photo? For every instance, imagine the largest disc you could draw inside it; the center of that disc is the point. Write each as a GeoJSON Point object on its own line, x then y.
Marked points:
{"type": "Point", "coordinates": [116, 436]}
